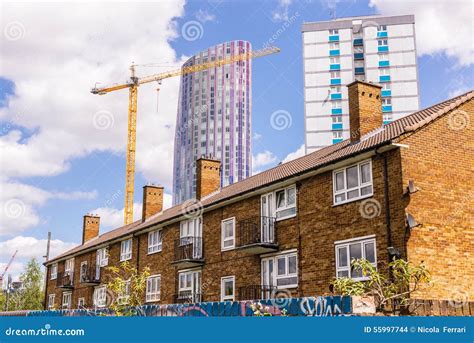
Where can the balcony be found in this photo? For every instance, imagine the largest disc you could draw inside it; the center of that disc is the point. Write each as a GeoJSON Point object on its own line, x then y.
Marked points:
{"type": "Point", "coordinates": [65, 280]}
{"type": "Point", "coordinates": [257, 235]}
{"type": "Point", "coordinates": [188, 252]}
{"type": "Point", "coordinates": [257, 292]}
{"type": "Point", "coordinates": [89, 275]}
{"type": "Point", "coordinates": [187, 297]}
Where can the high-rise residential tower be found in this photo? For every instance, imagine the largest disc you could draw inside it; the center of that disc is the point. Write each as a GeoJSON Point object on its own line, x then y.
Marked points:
{"type": "Point", "coordinates": [378, 49]}
{"type": "Point", "coordinates": [214, 119]}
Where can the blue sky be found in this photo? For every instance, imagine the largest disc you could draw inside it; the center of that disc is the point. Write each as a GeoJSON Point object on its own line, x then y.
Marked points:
{"type": "Point", "coordinates": [57, 164]}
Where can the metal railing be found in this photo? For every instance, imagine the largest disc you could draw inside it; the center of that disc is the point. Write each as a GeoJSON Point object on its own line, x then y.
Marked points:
{"type": "Point", "coordinates": [257, 292]}
{"type": "Point", "coordinates": [89, 274]}
{"type": "Point", "coordinates": [187, 297]}
{"type": "Point", "coordinates": [257, 230]}
{"type": "Point", "coordinates": [188, 248]}
{"type": "Point", "coordinates": [65, 280]}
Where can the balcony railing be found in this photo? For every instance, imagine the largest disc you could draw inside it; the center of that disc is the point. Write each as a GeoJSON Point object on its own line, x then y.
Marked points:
{"type": "Point", "coordinates": [257, 235]}
{"type": "Point", "coordinates": [188, 252]}
{"type": "Point", "coordinates": [257, 292]}
{"type": "Point", "coordinates": [65, 280]}
{"type": "Point", "coordinates": [89, 274]}
{"type": "Point", "coordinates": [187, 297]}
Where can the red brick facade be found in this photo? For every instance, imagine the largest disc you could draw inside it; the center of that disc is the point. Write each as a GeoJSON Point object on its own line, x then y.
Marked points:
{"type": "Point", "coordinates": [438, 160]}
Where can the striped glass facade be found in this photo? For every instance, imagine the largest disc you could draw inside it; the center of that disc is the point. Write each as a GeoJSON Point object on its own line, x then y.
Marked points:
{"type": "Point", "coordinates": [214, 119]}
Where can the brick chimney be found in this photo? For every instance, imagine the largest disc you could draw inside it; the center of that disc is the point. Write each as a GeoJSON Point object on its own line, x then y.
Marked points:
{"type": "Point", "coordinates": [365, 108]}
{"type": "Point", "coordinates": [208, 177]}
{"type": "Point", "coordinates": [90, 227]}
{"type": "Point", "coordinates": [152, 201]}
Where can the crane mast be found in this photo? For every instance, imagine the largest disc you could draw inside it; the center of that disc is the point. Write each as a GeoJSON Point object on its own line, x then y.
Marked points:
{"type": "Point", "coordinates": [133, 84]}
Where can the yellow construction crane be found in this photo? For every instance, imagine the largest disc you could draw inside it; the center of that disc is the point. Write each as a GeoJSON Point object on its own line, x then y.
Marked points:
{"type": "Point", "coordinates": [133, 84]}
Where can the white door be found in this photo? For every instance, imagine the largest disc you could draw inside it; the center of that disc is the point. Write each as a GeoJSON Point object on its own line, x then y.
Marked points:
{"type": "Point", "coordinates": [267, 234]}
{"type": "Point", "coordinates": [98, 260]}
{"type": "Point", "coordinates": [267, 277]}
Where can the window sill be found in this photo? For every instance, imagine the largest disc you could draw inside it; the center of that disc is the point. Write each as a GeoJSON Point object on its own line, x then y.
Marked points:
{"type": "Point", "coordinates": [125, 259]}
{"type": "Point", "coordinates": [286, 287]}
{"type": "Point", "coordinates": [354, 199]}
{"type": "Point", "coordinates": [228, 248]}
{"type": "Point", "coordinates": [152, 301]}
{"type": "Point", "coordinates": [154, 252]}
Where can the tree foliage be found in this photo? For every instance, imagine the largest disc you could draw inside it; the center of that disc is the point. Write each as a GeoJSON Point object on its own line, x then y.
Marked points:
{"type": "Point", "coordinates": [124, 303]}
{"type": "Point", "coordinates": [405, 279]}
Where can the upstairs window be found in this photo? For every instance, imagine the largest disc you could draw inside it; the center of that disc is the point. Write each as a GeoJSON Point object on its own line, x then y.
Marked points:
{"type": "Point", "coordinates": [285, 202]}
{"type": "Point", "coordinates": [155, 241]}
{"type": "Point", "coordinates": [69, 266]}
{"type": "Point", "coordinates": [54, 271]}
{"type": "Point", "coordinates": [126, 250]}
{"type": "Point", "coordinates": [102, 257]}
{"type": "Point", "coordinates": [228, 234]}
{"type": "Point", "coordinates": [353, 182]}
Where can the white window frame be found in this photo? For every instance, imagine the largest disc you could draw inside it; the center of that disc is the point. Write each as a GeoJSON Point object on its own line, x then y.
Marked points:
{"type": "Point", "coordinates": [100, 296]}
{"type": "Point", "coordinates": [382, 28]}
{"type": "Point", "coordinates": [51, 299]}
{"type": "Point", "coordinates": [386, 86]}
{"type": "Point", "coordinates": [125, 296]}
{"type": "Point", "coordinates": [382, 42]}
{"type": "Point", "coordinates": [335, 89]}
{"type": "Point", "coordinates": [386, 102]}
{"type": "Point", "coordinates": [223, 281]}
{"type": "Point", "coordinates": [334, 46]}
{"type": "Point", "coordinates": [276, 276]}
{"type": "Point", "coordinates": [153, 281]}
{"type": "Point", "coordinates": [155, 241]}
{"type": "Point", "coordinates": [103, 258]}
{"type": "Point", "coordinates": [384, 71]}
{"type": "Point", "coordinates": [336, 134]}
{"type": "Point", "coordinates": [286, 206]}
{"type": "Point", "coordinates": [333, 32]}
{"type": "Point", "coordinates": [346, 244]}
{"type": "Point", "coordinates": [68, 296]}
{"type": "Point", "coordinates": [69, 266]}
{"type": "Point", "coordinates": [80, 270]}
{"type": "Point", "coordinates": [337, 119]}
{"type": "Point", "coordinates": [54, 271]}
{"type": "Point", "coordinates": [383, 56]}
{"type": "Point", "coordinates": [335, 60]}
{"type": "Point", "coordinates": [81, 302]}
{"type": "Point", "coordinates": [360, 185]}
{"type": "Point", "coordinates": [226, 239]}
{"type": "Point", "coordinates": [126, 250]}
{"type": "Point", "coordinates": [336, 104]}
{"type": "Point", "coordinates": [194, 289]}
{"type": "Point", "coordinates": [335, 75]}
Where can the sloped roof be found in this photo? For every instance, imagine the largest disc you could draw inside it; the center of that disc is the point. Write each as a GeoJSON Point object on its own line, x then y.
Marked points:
{"type": "Point", "coordinates": [298, 166]}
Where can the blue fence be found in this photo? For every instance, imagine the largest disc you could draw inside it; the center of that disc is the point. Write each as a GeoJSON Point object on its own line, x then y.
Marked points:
{"type": "Point", "coordinates": [310, 306]}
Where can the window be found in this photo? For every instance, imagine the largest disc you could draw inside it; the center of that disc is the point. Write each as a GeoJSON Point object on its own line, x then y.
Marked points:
{"type": "Point", "coordinates": [353, 182]}
{"type": "Point", "coordinates": [382, 42]}
{"type": "Point", "coordinates": [383, 57]}
{"type": "Point", "coordinates": [189, 286]}
{"type": "Point", "coordinates": [335, 60]}
{"type": "Point", "coordinates": [386, 86]}
{"type": "Point", "coordinates": [126, 250]}
{"type": "Point", "coordinates": [153, 288]}
{"type": "Point", "coordinates": [335, 74]}
{"type": "Point", "coordinates": [66, 304]}
{"type": "Point", "coordinates": [54, 271]}
{"type": "Point", "coordinates": [280, 271]}
{"type": "Point", "coordinates": [382, 28]}
{"type": "Point", "coordinates": [336, 104]}
{"type": "Point", "coordinates": [334, 45]}
{"type": "Point", "coordinates": [155, 241]}
{"type": "Point", "coordinates": [83, 271]}
{"type": "Point", "coordinates": [335, 90]}
{"type": "Point", "coordinates": [51, 301]}
{"type": "Point", "coordinates": [336, 134]}
{"type": "Point", "coordinates": [336, 119]}
{"type": "Point", "coordinates": [69, 266]}
{"type": "Point", "coordinates": [384, 71]}
{"type": "Point", "coordinates": [100, 296]}
{"type": "Point", "coordinates": [228, 234]}
{"type": "Point", "coordinates": [334, 32]}
{"type": "Point", "coordinates": [348, 250]}
{"type": "Point", "coordinates": [124, 295]}
{"type": "Point", "coordinates": [228, 288]}
{"type": "Point", "coordinates": [81, 302]}
{"type": "Point", "coordinates": [285, 202]}
{"type": "Point", "coordinates": [102, 257]}
{"type": "Point", "coordinates": [386, 102]}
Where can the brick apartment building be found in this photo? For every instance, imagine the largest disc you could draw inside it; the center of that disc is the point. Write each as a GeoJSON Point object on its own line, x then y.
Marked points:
{"type": "Point", "coordinates": [403, 189]}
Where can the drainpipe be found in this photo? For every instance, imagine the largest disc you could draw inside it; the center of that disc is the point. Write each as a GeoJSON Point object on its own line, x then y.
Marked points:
{"type": "Point", "coordinates": [300, 273]}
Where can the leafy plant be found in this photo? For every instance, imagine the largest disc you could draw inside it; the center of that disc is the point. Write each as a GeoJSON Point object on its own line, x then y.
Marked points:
{"type": "Point", "coordinates": [128, 287]}
{"type": "Point", "coordinates": [403, 279]}
{"type": "Point", "coordinates": [264, 311]}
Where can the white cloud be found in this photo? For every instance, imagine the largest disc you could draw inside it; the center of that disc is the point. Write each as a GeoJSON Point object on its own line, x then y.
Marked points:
{"type": "Point", "coordinates": [281, 12]}
{"type": "Point", "coordinates": [263, 159]}
{"type": "Point", "coordinates": [19, 203]}
{"type": "Point", "coordinates": [204, 16]}
{"type": "Point", "coordinates": [295, 154]}
{"type": "Point", "coordinates": [442, 27]}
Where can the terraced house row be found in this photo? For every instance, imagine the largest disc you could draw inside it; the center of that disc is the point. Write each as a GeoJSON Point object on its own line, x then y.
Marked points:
{"type": "Point", "coordinates": [401, 190]}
